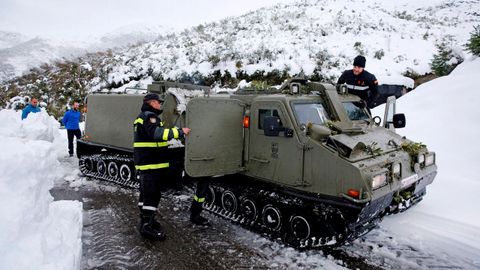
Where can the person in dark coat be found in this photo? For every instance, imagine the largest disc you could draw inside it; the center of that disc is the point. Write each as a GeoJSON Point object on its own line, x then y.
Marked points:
{"type": "Point", "coordinates": [360, 82]}
{"type": "Point", "coordinates": [71, 121]}
{"type": "Point", "coordinates": [152, 163]}
{"type": "Point", "coordinates": [30, 108]}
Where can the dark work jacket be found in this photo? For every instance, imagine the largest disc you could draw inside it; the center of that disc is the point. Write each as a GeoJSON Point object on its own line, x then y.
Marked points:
{"type": "Point", "coordinates": [150, 147]}
{"type": "Point", "coordinates": [365, 85]}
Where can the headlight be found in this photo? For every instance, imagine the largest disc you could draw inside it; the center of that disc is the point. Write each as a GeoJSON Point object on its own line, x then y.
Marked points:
{"type": "Point", "coordinates": [421, 159]}
{"type": "Point", "coordinates": [430, 159]}
{"type": "Point", "coordinates": [379, 180]}
{"type": "Point", "coordinates": [396, 169]}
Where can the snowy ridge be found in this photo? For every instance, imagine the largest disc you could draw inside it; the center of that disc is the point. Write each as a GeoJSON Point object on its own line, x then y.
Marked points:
{"type": "Point", "coordinates": [19, 53]}
{"type": "Point", "coordinates": [21, 56]}
{"type": "Point", "coordinates": [310, 37]}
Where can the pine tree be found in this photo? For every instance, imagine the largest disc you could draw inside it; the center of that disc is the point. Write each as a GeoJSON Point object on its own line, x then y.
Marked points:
{"type": "Point", "coordinates": [473, 44]}
{"type": "Point", "coordinates": [445, 60]}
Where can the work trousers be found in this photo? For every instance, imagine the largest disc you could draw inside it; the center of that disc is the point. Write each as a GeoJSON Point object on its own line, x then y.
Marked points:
{"type": "Point", "coordinates": [150, 188]}
{"type": "Point", "coordinates": [70, 134]}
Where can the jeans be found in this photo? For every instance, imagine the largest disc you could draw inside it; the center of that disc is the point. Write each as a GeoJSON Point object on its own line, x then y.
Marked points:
{"type": "Point", "coordinates": [71, 133]}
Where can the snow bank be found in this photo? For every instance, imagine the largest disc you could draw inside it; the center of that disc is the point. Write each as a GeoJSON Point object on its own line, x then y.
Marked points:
{"type": "Point", "coordinates": [443, 114]}
{"type": "Point", "coordinates": [35, 231]}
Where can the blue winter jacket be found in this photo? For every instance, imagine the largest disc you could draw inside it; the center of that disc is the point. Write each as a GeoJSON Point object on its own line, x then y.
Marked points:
{"type": "Point", "coordinates": [28, 109]}
{"type": "Point", "coordinates": [71, 118]}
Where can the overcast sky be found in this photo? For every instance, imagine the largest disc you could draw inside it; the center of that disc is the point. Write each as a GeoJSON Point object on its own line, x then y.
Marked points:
{"type": "Point", "coordinates": [70, 19]}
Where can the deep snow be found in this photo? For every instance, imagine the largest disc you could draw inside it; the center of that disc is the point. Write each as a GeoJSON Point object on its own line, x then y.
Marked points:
{"type": "Point", "coordinates": [35, 231]}
{"type": "Point", "coordinates": [443, 114]}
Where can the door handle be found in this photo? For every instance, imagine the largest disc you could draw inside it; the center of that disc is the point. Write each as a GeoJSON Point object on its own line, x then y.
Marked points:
{"type": "Point", "coordinates": [202, 159]}
{"type": "Point", "coordinates": [264, 161]}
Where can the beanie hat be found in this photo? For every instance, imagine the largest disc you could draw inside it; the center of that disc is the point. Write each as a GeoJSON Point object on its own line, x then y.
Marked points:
{"type": "Point", "coordinates": [359, 61]}
{"type": "Point", "coordinates": [152, 96]}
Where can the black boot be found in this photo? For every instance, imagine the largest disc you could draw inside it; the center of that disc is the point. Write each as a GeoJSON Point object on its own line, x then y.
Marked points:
{"type": "Point", "coordinates": [150, 228]}
{"type": "Point", "coordinates": [145, 219]}
{"type": "Point", "coordinates": [195, 216]}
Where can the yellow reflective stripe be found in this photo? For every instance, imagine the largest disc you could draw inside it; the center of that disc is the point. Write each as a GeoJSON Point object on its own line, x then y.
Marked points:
{"type": "Point", "coordinates": [150, 144]}
{"type": "Point", "coordinates": [152, 166]}
{"type": "Point", "coordinates": [175, 133]}
{"type": "Point", "coordinates": [197, 199]}
{"type": "Point", "coordinates": [161, 124]}
{"type": "Point", "coordinates": [165, 134]}
{"type": "Point", "coordinates": [138, 120]}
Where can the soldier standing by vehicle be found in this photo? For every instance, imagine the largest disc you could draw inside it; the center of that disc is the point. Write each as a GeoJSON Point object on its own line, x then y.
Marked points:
{"type": "Point", "coordinates": [151, 159]}
{"type": "Point", "coordinates": [360, 82]}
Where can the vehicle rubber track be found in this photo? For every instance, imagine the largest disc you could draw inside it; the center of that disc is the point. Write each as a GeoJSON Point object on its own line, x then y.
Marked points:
{"type": "Point", "coordinates": [302, 223]}
{"type": "Point", "coordinates": [295, 221]}
{"type": "Point", "coordinates": [114, 168]}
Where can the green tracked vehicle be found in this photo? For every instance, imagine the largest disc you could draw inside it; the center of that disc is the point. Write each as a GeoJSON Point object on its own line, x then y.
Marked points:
{"type": "Point", "coordinates": [305, 163]}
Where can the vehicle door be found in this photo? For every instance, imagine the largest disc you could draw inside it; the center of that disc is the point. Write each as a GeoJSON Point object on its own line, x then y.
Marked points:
{"type": "Point", "coordinates": [215, 143]}
{"type": "Point", "coordinates": [274, 158]}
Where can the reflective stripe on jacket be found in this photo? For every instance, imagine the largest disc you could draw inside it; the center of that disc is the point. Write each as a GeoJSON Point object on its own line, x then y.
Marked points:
{"type": "Point", "coordinates": [150, 146]}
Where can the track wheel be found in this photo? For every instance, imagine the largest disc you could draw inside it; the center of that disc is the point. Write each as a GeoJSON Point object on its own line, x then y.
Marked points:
{"type": "Point", "coordinates": [210, 197]}
{"type": "Point", "coordinates": [300, 227]}
{"type": "Point", "coordinates": [88, 164]}
{"type": "Point", "coordinates": [125, 173]}
{"type": "Point", "coordinates": [229, 201]}
{"type": "Point", "coordinates": [271, 217]}
{"type": "Point", "coordinates": [248, 209]}
{"type": "Point", "coordinates": [113, 169]}
{"type": "Point", "coordinates": [101, 167]}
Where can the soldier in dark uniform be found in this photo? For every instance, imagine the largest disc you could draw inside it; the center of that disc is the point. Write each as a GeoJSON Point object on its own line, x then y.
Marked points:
{"type": "Point", "coordinates": [150, 149]}
{"type": "Point", "coordinates": [151, 158]}
{"type": "Point", "coordinates": [360, 82]}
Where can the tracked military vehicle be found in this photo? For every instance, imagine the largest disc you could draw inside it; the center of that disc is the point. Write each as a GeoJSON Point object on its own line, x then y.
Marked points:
{"type": "Point", "coordinates": [305, 163]}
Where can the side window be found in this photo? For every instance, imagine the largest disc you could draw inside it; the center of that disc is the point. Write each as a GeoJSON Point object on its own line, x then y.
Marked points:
{"type": "Point", "coordinates": [262, 113]}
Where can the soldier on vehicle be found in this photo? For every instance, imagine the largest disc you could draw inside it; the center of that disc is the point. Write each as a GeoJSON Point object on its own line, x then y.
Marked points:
{"type": "Point", "coordinates": [30, 108]}
{"type": "Point", "coordinates": [360, 82]}
{"type": "Point", "coordinates": [71, 120]}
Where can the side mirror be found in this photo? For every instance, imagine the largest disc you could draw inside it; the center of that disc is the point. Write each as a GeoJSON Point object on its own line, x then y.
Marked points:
{"type": "Point", "coordinates": [399, 120]}
{"type": "Point", "coordinates": [271, 126]}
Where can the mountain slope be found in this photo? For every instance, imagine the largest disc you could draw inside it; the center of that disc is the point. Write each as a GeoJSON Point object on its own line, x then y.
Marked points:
{"type": "Point", "coordinates": [19, 53]}
{"type": "Point", "coordinates": [318, 39]}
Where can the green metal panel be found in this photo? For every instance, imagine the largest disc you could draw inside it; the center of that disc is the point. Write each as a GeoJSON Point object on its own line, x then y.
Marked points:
{"type": "Point", "coordinates": [110, 119]}
{"type": "Point", "coordinates": [277, 158]}
{"type": "Point", "coordinates": [215, 144]}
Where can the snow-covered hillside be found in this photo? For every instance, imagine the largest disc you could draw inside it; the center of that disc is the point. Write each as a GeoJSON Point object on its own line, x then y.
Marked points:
{"type": "Point", "coordinates": [19, 53]}
{"type": "Point", "coordinates": [311, 37]}
{"type": "Point", "coordinates": [19, 57]}
{"type": "Point", "coordinates": [317, 38]}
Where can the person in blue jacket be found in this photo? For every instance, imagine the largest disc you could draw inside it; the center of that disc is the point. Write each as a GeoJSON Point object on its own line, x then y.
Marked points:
{"type": "Point", "coordinates": [71, 120]}
{"type": "Point", "coordinates": [30, 108]}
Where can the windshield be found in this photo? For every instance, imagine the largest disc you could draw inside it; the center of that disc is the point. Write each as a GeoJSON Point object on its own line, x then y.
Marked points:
{"type": "Point", "coordinates": [310, 113]}
{"type": "Point", "coordinates": [355, 111]}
